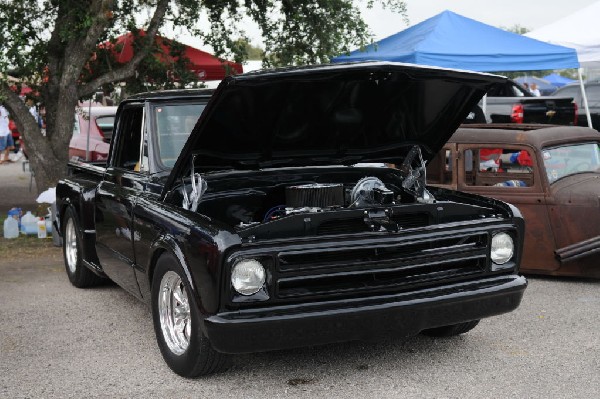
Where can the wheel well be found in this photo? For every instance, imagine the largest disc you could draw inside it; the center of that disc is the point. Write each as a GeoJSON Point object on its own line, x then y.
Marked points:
{"type": "Point", "coordinates": [157, 253]}
{"type": "Point", "coordinates": [61, 213]}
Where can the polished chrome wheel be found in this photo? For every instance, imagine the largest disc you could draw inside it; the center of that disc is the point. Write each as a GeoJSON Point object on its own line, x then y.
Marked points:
{"type": "Point", "coordinates": [71, 246]}
{"type": "Point", "coordinates": [174, 313]}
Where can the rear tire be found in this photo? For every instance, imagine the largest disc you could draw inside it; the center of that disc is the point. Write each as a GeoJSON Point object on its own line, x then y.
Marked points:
{"type": "Point", "coordinates": [177, 323]}
{"type": "Point", "coordinates": [451, 330]}
{"type": "Point", "coordinates": [79, 275]}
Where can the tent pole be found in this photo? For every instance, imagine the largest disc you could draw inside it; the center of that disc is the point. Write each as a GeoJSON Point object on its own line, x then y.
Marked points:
{"type": "Point", "coordinates": [585, 102]}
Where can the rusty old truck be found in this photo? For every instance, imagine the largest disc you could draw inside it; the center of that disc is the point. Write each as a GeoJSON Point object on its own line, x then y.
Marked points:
{"type": "Point", "coordinates": [551, 173]}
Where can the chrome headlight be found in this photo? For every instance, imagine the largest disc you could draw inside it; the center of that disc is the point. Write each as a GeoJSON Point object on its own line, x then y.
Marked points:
{"type": "Point", "coordinates": [503, 248]}
{"type": "Point", "coordinates": [248, 276]}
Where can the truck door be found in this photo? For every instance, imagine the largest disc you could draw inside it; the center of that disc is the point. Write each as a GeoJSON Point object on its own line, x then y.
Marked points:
{"type": "Point", "coordinates": [511, 173]}
{"type": "Point", "coordinates": [116, 198]}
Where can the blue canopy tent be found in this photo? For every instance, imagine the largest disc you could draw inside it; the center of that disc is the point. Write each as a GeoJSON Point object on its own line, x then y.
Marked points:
{"type": "Point", "coordinates": [557, 80]}
{"type": "Point", "coordinates": [450, 40]}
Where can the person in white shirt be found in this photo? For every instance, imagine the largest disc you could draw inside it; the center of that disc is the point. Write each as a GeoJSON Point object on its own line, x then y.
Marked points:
{"type": "Point", "coordinates": [32, 108]}
{"type": "Point", "coordinates": [6, 140]}
{"type": "Point", "coordinates": [534, 90]}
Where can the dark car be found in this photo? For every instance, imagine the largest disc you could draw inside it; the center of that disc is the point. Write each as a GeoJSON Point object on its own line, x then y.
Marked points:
{"type": "Point", "coordinates": [592, 92]}
{"type": "Point", "coordinates": [263, 224]}
{"type": "Point", "coordinates": [509, 102]}
{"type": "Point", "coordinates": [551, 173]}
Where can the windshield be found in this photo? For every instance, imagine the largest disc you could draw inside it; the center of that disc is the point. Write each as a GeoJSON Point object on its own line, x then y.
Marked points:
{"type": "Point", "coordinates": [174, 123]}
{"type": "Point", "coordinates": [571, 159]}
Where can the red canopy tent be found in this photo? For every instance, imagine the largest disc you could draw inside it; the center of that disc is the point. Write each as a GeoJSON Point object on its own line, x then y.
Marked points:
{"type": "Point", "coordinates": [205, 65]}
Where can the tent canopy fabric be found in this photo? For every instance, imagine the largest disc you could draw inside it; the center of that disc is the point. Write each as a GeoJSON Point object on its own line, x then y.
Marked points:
{"type": "Point", "coordinates": [579, 30]}
{"type": "Point", "coordinates": [205, 65]}
{"type": "Point", "coordinates": [452, 41]}
{"type": "Point", "coordinates": [558, 80]}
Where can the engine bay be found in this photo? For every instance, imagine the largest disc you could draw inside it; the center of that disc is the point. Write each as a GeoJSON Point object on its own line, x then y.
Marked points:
{"type": "Point", "coordinates": [318, 200]}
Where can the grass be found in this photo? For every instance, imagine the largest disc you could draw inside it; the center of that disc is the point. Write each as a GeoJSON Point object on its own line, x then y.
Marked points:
{"type": "Point", "coordinates": [26, 246]}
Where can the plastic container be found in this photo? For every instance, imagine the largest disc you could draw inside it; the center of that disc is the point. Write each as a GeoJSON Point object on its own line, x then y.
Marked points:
{"type": "Point", "coordinates": [11, 228]}
{"type": "Point", "coordinates": [41, 228]}
{"type": "Point", "coordinates": [29, 224]}
{"type": "Point", "coordinates": [16, 213]}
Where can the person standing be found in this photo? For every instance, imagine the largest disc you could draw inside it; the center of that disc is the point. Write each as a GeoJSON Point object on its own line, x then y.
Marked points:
{"type": "Point", "coordinates": [6, 140]}
{"type": "Point", "coordinates": [32, 109]}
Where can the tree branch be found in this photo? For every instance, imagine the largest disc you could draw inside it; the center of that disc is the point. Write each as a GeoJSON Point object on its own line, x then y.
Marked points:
{"type": "Point", "coordinates": [129, 69]}
{"type": "Point", "coordinates": [26, 123]}
{"type": "Point", "coordinates": [78, 49]}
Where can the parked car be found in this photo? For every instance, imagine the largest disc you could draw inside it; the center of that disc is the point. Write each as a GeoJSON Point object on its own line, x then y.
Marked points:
{"type": "Point", "coordinates": [508, 102]}
{"type": "Point", "coordinates": [268, 229]}
{"type": "Point", "coordinates": [550, 173]}
{"type": "Point", "coordinates": [592, 92]}
{"type": "Point", "coordinates": [96, 123]}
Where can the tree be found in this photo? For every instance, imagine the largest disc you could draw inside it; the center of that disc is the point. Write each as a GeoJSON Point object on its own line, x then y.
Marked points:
{"type": "Point", "coordinates": [518, 29]}
{"type": "Point", "coordinates": [252, 52]}
{"type": "Point", "coordinates": [55, 47]}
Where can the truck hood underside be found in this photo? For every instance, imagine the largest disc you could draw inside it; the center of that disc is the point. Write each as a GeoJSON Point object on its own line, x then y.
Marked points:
{"type": "Point", "coordinates": [333, 114]}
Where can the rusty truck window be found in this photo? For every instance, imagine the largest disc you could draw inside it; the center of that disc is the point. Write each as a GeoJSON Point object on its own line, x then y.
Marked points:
{"type": "Point", "coordinates": [571, 159]}
{"type": "Point", "coordinates": [499, 167]}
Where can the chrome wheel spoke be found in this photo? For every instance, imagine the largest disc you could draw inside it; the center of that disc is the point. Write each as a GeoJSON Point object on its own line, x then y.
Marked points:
{"type": "Point", "coordinates": [174, 311]}
{"type": "Point", "coordinates": [71, 246]}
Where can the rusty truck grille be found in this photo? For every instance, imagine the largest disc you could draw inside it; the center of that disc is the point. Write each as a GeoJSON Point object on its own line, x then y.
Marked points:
{"type": "Point", "coordinates": [379, 267]}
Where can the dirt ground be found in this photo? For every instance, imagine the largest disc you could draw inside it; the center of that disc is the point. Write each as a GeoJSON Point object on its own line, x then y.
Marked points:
{"type": "Point", "coordinates": [18, 190]}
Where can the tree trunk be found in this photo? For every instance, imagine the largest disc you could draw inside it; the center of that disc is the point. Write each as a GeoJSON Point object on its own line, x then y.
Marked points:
{"type": "Point", "coordinates": [67, 57]}
{"type": "Point", "coordinates": [48, 155]}
{"type": "Point", "coordinates": [52, 151]}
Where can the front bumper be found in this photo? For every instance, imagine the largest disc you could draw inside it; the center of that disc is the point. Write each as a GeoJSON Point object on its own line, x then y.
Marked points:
{"type": "Point", "coordinates": [401, 315]}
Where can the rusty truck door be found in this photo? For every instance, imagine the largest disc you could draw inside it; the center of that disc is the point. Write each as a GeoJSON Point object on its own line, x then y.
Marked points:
{"type": "Point", "coordinates": [491, 172]}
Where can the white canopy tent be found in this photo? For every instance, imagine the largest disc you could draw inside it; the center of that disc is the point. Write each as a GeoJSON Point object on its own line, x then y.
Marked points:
{"type": "Point", "coordinates": [580, 31]}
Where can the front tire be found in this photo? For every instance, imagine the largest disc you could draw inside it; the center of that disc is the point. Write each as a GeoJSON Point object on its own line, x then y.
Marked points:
{"type": "Point", "coordinates": [451, 330]}
{"type": "Point", "coordinates": [177, 323]}
{"type": "Point", "coordinates": [79, 275]}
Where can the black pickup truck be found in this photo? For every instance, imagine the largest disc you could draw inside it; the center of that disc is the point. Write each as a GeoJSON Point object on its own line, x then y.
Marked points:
{"type": "Point", "coordinates": [507, 102]}
{"type": "Point", "coordinates": [280, 222]}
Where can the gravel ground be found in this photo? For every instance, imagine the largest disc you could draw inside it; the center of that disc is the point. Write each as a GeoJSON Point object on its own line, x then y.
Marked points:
{"type": "Point", "coordinates": [60, 341]}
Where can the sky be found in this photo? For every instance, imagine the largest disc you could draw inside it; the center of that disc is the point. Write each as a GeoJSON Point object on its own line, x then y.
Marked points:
{"type": "Point", "coordinates": [530, 14]}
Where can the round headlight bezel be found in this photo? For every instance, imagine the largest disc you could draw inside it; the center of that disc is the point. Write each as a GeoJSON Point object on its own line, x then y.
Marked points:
{"type": "Point", "coordinates": [248, 276]}
{"type": "Point", "coordinates": [500, 252]}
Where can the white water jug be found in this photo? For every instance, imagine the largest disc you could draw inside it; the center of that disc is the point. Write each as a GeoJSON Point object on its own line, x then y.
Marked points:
{"type": "Point", "coordinates": [29, 224]}
{"type": "Point", "coordinates": [11, 228]}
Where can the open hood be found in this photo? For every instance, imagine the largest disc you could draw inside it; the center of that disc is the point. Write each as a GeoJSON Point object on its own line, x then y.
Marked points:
{"type": "Point", "coordinates": [330, 114]}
